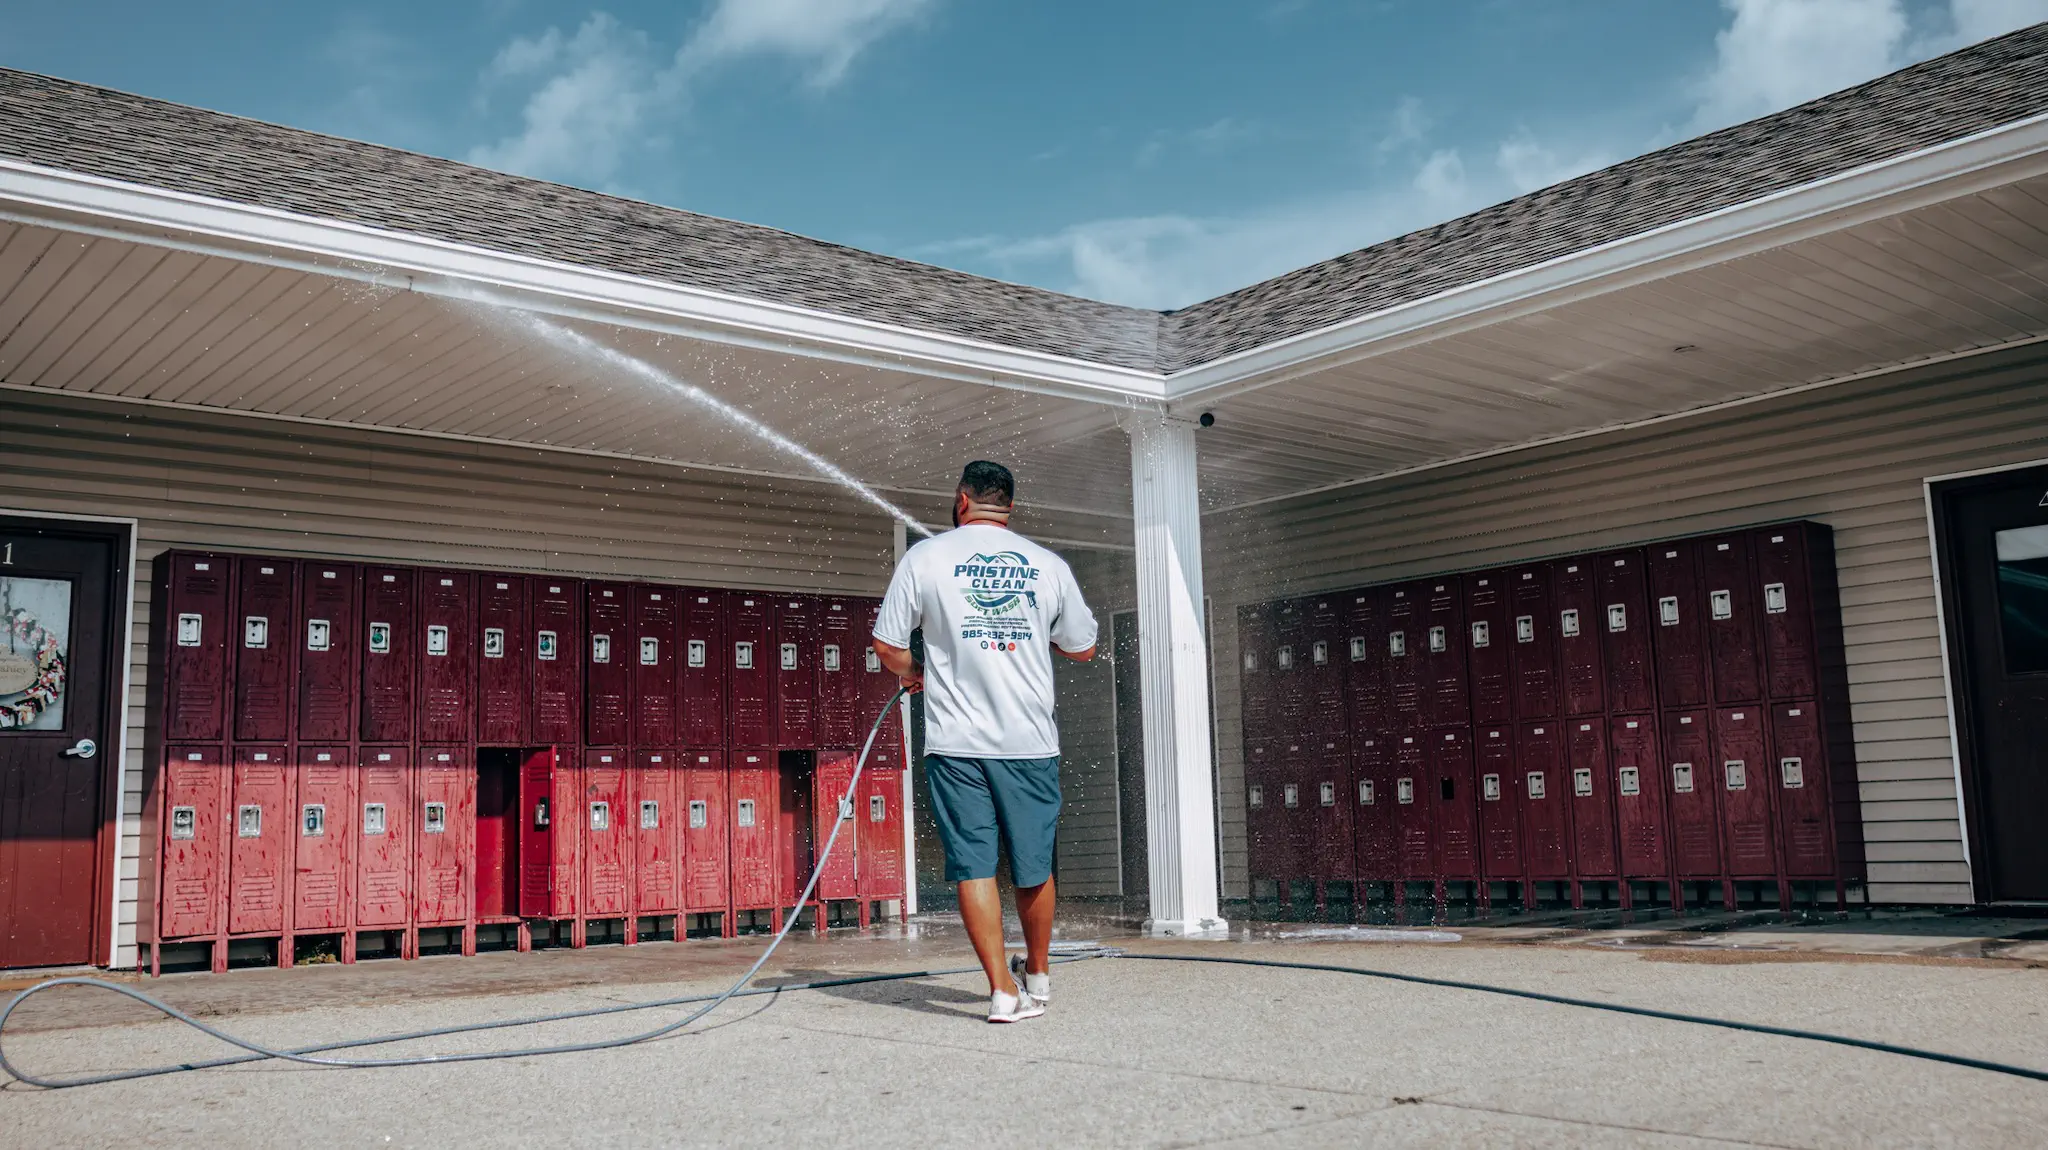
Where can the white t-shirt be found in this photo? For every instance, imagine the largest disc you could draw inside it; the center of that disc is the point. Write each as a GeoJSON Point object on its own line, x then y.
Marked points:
{"type": "Point", "coordinates": [990, 601]}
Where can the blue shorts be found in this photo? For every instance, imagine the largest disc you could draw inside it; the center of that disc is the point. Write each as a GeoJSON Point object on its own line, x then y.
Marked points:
{"type": "Point", "coordinates": [974, 798]}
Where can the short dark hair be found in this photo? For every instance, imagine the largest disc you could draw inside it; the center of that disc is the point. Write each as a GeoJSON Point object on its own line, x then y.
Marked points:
{"type": "Point", "coordinates": [988, 483]}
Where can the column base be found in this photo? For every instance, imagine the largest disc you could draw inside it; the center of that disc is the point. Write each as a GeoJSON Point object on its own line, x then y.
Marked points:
{"type": "Point", "coordinates": [1213, 929]}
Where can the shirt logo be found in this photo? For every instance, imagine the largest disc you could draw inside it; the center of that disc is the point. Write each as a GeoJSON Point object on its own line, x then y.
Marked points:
{"type": "Point", "coordinates": [995, 583]}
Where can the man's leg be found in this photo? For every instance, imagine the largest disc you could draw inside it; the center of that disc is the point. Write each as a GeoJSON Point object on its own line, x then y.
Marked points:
{"type": "Point", "coordinates": [1034, 907]}
{"type": "Point", "coordinates": [981, 908]}
{"type": "Point", "coordinates": [965, 812]}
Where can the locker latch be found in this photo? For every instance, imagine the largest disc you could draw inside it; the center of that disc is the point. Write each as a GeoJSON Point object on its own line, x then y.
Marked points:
{"type": "Point", "coordinates": [789, 656]}
{"type": "Point", "coordinates": [437, 640]}
{"type": "Point", "coordinates": [313, 820]}
{"type": "Point", "coordinates": [435, 819]}
{"type": "Point", "coordinates": [1489, 788]}
{"type": "Point", "coordinates": [1525, 628]}
{"type": "Point", "coordinates": [1792, 771]}
{"type": "Point", "coordinates": [878, 808]}
{"type": "Point", "coordinates": [600, 816]}
{"type": "Point", "coordinates": [1736, 774]}
{"type": "Point", "coordinates": [1319, 654]}
{"type": "Point", "coordinates": [1284, 658]}
{"type": "Point", "coordinates": [494, 642]}
{"type": "Point", "coordinates": [1535, 784]}
{"type": "Point", "coordinates": [600, 648]}
{"type": "Point", "coordinates": [845, 808]}
{"type": "Point", "coordinates": [743, 656]}
{"type": "Point", "coordinates": [380, 638]}
{"type": "Point", "coordinates": [1365, 792]}
{"type": "Point", "coordinates": [697, 653]}
{"type": "Point", "coordinates": [1397, 643]}
{"type": "Point", "coordinates": [189, 627]}
{"type": "Point", "coordinates": [544, 646]}
{"type": "Point", "coordinates": [1617, 617]}
{"type": "Point", "coordinates": [1251, 661]}
{"type": "Point", "coordinates": [874, 661]}
{"type": "Point", "coordinates": [319, 634]}
{"type": "Point", "coordinates": [1667, 611]}
{"type": "Point", "coordinates": [1681, 778]}
{"type": "Point", "coordinates": [1358, 648]}
{"type": "Point", "coordinates": [1290, 796]}
{"type": "Point", "coordinates": [1255, 796]}
{"type": "Point", "coordinates": [1582, 781]}
{"type": "Point", "coordinates": [256, 632]}
{"type": "Point", "coordinates": [1439, 641]}
{"type": "Point", "coordinates": [1774, 598]}
{"type": "Point", "coordinates": [373, 818]}
{"type": "Point", "coordinates": [650, 650]}
{"type": "Point", "coordinates": [1630, 780]}
{"type": "Point", "coordinates": [1568, 622]}
{"type": "Point", "coordinates": [184, 822]}
{"type": "Point", "coordinates": [1326, 794]}
{"type": "Point", "coordinates": [249, 821]}
{"type": "Point", "coordinates": [700, 814]}
{"type": "Point", "coordinates": [1722, 604]}
{"type": "Point", "coordinates": [540, 814]}
{"type": "Point", "coordinates": [650, 814]}
{"type": "Point", "coordinates": [1404, 791]}
{"type": "Point", "coordinates": [1482, 633]}
{"type": "Point", "coordinates": [746, 813]}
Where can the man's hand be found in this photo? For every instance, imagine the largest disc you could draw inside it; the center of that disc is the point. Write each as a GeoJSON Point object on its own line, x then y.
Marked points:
{"type": "Point", "coordinates": [901, 665]}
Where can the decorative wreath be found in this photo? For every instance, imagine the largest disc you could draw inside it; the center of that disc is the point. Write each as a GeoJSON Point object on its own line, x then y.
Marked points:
{"type": "Point", "coordinates": [49, 682]}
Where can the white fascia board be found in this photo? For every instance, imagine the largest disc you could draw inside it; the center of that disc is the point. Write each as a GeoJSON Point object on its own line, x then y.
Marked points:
{"type": "Point", "coordinates": [1999, 156]}
{"type": "Point", "coordinates": [51, 197]}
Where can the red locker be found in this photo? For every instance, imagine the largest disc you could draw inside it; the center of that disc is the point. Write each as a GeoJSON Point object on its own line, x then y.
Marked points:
{"type": "Point", "coordinates": [327, 657]}
{"type": "Point", "coordinates": [1691, 777]}
{"type": "Point", "coordinates": [1256, 645]}
{"type": "Point", "coordinates": [1579, 621]}
{"type": "Point", "coordinates": [877, 690]}
{"type": "Point", "coordinates": [607, 847]}
{"type": "Point", "coordinates": [1413, 806]}
{"type": "Point", "coordinates": [1804, 811]}
{"type": "Point", "coordinates": [1546, 795]}
{"type": "Point", "coordinates": [1265, 820]}
{"type": "Point", "coordinates": [1783, 571]}
{"type": "Point", "coordinates": [1594, 853]}
{"type": "Point", "coordinates": [555, 612]}
{"type": "Point", "coordinates": [1745, 781]}
{"type": "Point", "coordinates": [1328, 799]}
{"type": "Point", "coordinates": [750, 682]}
{"type": "Point", "coordinates": [830, 805]}
{"type": "Point", "coordinates": [1732, 638]}
{"type": "Point", "coordinates": [384, 840]}
{"type": "Point", "coordinates": [1404, 641]}
{"type": "Point", "coordinates": [1679, 636]}
{"type": "Point", "coordinates": [1457, 804]}
{"type": "Point", "coordinates": [195, 645]}
{"type": "Point", "coordinates": [1297, 824]}
{"type": "Point", "coordinates": [657, 611]}
{"type": "Point", "coordinates": [323, 857]}
{"type": "Point", "coordinates": [387, 650]}
{"type": "Point", "coordinates": [656, 838]}
{"type": "Point", "coordinates": [444, 867]}
{"type": "Point", "coordinates": [1291, 701]}
{"type": "Point", "coordinates": [265, 590]}
{"type": "Point", "coordinates": [701, 679]}
{"type": "Point", "coordinates": [706, 868]}
{"type": "Point", "coordinates": [1377, 855]}
{"type": "Point", "coordinates": [1535, 643]}
{"type": "Point", "coordinates": [1323, 674]}
{"type": "Point", "coordinates": [1639, 799]}
{"type": "Point", "coordinates": [192, 866]}
{"type": "Point", "coordinates": [608, 674]}
{"type": "Point", "coordinates": [1491, 636]}
{"type": "Point", "coordinates": [549, 805]}
{"type": "Point", "coordinates": [1446, 701]}
{"type": "Point", "coordinates": [1625, 633]}
{"type": "Point", "coordinates": [880, 819]}
{"type": "Point", "coordinates": [1366, 660]}
{"type": "Point", "coordinates": [1500, 790]}
{"type": "Point", "coordinates": [256, 854]}
{"type": "Point", "coordinates": [502, 663]}
{"type": "Point", "coordinates": [447, 639]}
{"type": "Point", "coordinates": [844, 627]}
{"type": "Point", "coordinates": [753, 786]}
{"type": "Point", "coordinates": [796, 671]}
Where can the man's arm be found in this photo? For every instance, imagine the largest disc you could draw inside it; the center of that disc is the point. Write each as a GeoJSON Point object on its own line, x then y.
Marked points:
{"type": "Point", "coordinates": [1080, 656]}
{"type": "Point", "coordinates": [901, 665]}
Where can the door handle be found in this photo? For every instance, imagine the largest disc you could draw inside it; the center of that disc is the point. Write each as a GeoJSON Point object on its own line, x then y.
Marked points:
{"type": "Point", "coordinates": [84, 749]}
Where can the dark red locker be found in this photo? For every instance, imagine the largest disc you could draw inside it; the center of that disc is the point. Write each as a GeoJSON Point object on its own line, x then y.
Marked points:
{"type": "Point", "coordinates": [1329, 802]}
{"type": "Point", "coordinates": [323, 855]}
{"type": "Point", "coordinates": [1298, 768]}
{"type": "Point", "coordinates": [386, 642]}
{"type": "Point", "coordinates": [843, 628]}
{"type": "Point", "coordinates": [657, 841]}
{"type": "Point", "coordinates": [549, 807]}
{"type": "Point", "coordinates": [750, 681]}
{"type": "Point", "coordinates": [1535, 642]}
{"type": "Point", "coordinates": [443, 870]}
{"type": "Point", "coordinates": [608, 671]}
{"type": "Point", "coordinates": [1691, 775]}
{"type": "Point", "coordinates": [327, 657]}
{"type": "Point", "coordinates": [879, 817]}
{"type": "Point", "coordinates": [1457, 803]}
{"type": "Point", "coordinates": [831, 805]}
{"type": "Point", "coordinates": [1546, 795]}
{"type": "Point", "coordinates": [878, 690]}
{"type": "Point", "coordinates": [1500, 790]}
{"type": "Point", "coordinates": [1594, 853]}
{"type": "Point", "coordinates": [1745, 780]}
{"type": "Point", "coordinates": [607, 847]}
{"type": "Point", "coordinates": [191, 859]}
{"type": "Point", "coordinates": [1256, 643]}
{"type": "Point", "coordinates": [1576, 592]}
{"type": "Point", "coordinates": [1366, 659]}
{"type": "Point", "coordinates": [257, 851]}
{"type": "Point", "coordinates": [796, 671]}
{"type": "Point", "coordinates": [1377, 851]}
{"type": "Point", "coordinates": [555, 615]}
{"type": "Point", "coordinates": [657, 612]}
{"type": "Point", "coordinates": [1639, 800]}
{"type": "Point", "coordinates": [1625, 633]}
{"type": "Point", "coordinates": [1491, 637]}
{"type": "Point", "coordinates": [1323, 675]}
{"type": "Point", "coordinates": [706, 869]}
{"type": "Point", "coordinates": [447, 656]}
{"type": "Point", "coordinates": [1446, 698]}
{"type": "Point", "coordinates": [1732, 633]}
{"type": "Point", "coordinates": [1679, 636]}
{"type": "Point", "coordinates": [1413, 806]}
{"type": "Point", "coordinates": [1404, 640]}
{"type": "Point", "coordinates": [502, 658]}
{"type": "Point", "coordinates": [1265, 820]}
{"type": "Point", "coordinates": [1801, 778]}
{"type": "Point", "coordinates": [384, 839]}
{"type": "Point", "coordinates": [753, 786]}
{"type": "Point", "coordinates": [1782, 571]}
{"type": "Point", "coordinates": [265, 590]}
{"type": "Point", "coordinates": [1291, 701]}
{"type": "Point", "coordinates": [195, 627]}
{"type": "Point", "coordinates": [702, 676]}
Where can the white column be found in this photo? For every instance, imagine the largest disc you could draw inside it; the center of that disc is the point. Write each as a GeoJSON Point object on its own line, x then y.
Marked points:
{"type": "Point", "coordinates": [902, 544]}
{"type": "Point", "coordinates": [1173, 661]}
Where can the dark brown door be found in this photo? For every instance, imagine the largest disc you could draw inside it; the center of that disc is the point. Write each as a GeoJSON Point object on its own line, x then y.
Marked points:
{"type": "Point", "coordinates": [1995, 572]}
{"type": "Point", "coordinates": [57, 617]}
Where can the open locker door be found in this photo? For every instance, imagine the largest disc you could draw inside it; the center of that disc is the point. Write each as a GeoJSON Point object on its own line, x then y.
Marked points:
{"type": "Point", "coordinates": [547, 838]}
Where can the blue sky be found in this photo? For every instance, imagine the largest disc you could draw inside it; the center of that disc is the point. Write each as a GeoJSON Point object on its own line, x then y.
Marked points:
{"type": "Point", "coordinates": [1152, 153]}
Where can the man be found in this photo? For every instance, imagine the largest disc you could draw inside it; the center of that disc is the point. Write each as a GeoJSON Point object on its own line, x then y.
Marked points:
{"type": "Point", "coordinates": [994, 607]}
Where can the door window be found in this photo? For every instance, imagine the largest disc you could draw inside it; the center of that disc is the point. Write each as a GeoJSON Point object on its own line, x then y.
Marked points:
{"type": "Point", "coordinates": [2022, 556]}
{"type": "Point", "coordinates": [35, 647]}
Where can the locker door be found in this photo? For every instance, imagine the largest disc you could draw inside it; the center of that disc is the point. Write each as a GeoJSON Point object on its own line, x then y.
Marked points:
{"type": "Point", "coordinates": [796, 671]}
{"type": "Point", "coordinates": [1801, 781]}
{"type": "Point", "coordinates": [195, 646]}
{"type": "Point", "coordinates": [1625, 633]}
{"type": "Point", "coordinates": [447, 835]}
{"type": "Point", "coordinates": [547, 835]}
{"type": "Point", "coordinates": [504, 659]}
{"type": "Point", "coordinates": [327, 657]}
{"type": "Point", "coordinates": [1325, 673]}
{"type": "Point", "coordinates": [1592, 803]}
{"type": "Point", "coordinates": [1785, 587]}
{"type": "Point", "coordinates": [1413, 805]}
{"type": "Point", "coordinates": [1490, 634]}
{"type": "Point", "coordinates": [1639, 796]}
{"type": "Point", "coordinates": [1329, 800]}
{"type": "Point", "coordinates": [1377, 845]}
{"type": "Point", "coordinates": [1500, 823]}
{"type": "Point", "coordinates": [753, 784]}
{"type": "Point", "coordinates": [1265, 820]}
{"type": "Point", "coordinates": [265, 590]}
{"type": "Point", "coordinates": [1731, 619]}
{"type": "Point", "coordinates": [1745, 781]}
{"type": "Point", "coordinates": [1403, 642]}
{"type": "Point", "coordinates": [656, 839]}
{"type": "Point", "coordinates": [1579, 623]}
{"type": "Point", "coordinates": [1297, 823]}
{"type": "Point", "coordinates": [555, 607]}
{"type": "Point", "coordinates": [1256, 644]}
{"type": "Point", "coordinates": [447, 656]}
{"type": "Point", "coordinates": [830, 805]}
{"type": "Point", "coordinates": [193, 866]}
{"type": "Point", "coordinates": [750, 683]}
{"type": "Point", "coordinates": [386, 642]}
{"type": "Point", "coordinates": [702, 676]}
{"type": "Point", "coordinates": [1457, 803]}
{"type": "Point", "coordinates": [1691, 774]}
{"type": "Point", "coordinates": [1289, 684]}
{"type": "Point", "coordinates": [839, 673]}
{"type": "Point", "coordinates": [256, 854]}
{"type": "Point", "coordinates": [607, 847]}
{"type": "Point", "coordinates": [1444, 645]}
{"type": "Point", "coordinates": [1535, 642]}
{"type": "Point", "coordinates": [657, 611]}
{"type": "Point", "coordinates": [384, 840]}
{"type": "Point", "coordinates": [880, 818]}
{"type": "Point", "coordinates": [1679, 636]}
{"type": "Point", "coordinates": [706, 868]}
{"type": "Point", "coordinates": [608, 669]}
{"type": "Point", "coordinates": [1365, 660]}
{"type": "Point", "coordinates": [323, 857]}
{"type": "Point", "coordinates": [878, 687]}
{"type": "Point", "coordinates": [1546, 791]}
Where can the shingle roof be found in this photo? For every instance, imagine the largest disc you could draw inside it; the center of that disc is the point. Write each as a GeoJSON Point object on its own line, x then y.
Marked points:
{"type": "Point", "coordinates": [97, 131]}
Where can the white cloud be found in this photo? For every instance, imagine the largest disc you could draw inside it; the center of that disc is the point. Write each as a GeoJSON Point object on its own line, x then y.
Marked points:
{"type": "Point", "coordinates": [1777, 53]}
{"type": "Point", "coordinates": [1530, 164]}
{"type": "Point", "coordinates": [588, 108]}
{"type": "Point", "coordinates": [823, 36]}
{"type": "Point", "coordinates": [1974, 20]}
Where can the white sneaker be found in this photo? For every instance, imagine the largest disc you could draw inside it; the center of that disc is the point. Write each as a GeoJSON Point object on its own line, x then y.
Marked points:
{"type": "Point", "coordinates": [1006, 1007]}
{"type": "Point", "coordinates": [1038, 986]}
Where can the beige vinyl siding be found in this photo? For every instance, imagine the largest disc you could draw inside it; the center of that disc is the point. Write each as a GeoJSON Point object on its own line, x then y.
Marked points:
{"type": "Point", "coordinates": [1854, 456]}
{"type": "Point", "coordinates": [1089, 836]}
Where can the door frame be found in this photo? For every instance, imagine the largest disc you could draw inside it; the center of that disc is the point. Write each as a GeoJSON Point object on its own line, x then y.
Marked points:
{"type": "Point", "coordinates": [122, 529]}
{"type": "Point", "coordinates": [1955, 671]}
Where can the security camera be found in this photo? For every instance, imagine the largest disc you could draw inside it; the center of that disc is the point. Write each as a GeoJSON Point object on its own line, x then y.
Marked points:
{"type": "Point", "coordinates": [1208, 419]}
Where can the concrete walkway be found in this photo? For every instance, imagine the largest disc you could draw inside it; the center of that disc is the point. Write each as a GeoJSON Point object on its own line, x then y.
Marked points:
{"type": "Point", "coordinates": [1133, 1053]}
